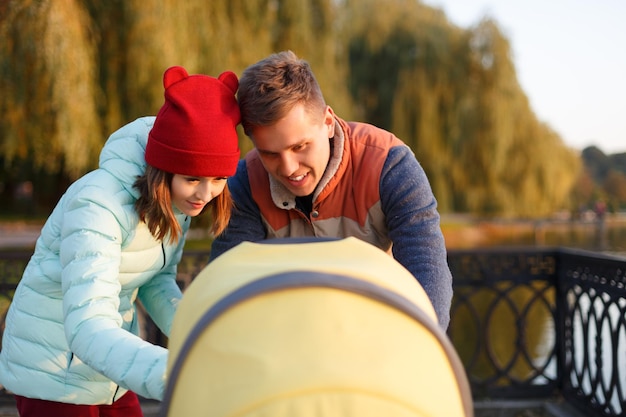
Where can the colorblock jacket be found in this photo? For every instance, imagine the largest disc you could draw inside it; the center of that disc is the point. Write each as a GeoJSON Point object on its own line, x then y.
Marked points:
{"type": "Point", "coordinates": [72, 333]}
{"type": "Point", "coordinates": [373, 188]}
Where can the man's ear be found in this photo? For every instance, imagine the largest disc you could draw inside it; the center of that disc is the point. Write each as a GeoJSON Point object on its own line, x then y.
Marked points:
{"type": "Point", "coordinates": [329, 121]}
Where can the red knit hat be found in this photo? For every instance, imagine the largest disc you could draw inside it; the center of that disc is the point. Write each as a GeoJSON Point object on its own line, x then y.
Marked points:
{"type": "Point", "coordinates": [195, 131]}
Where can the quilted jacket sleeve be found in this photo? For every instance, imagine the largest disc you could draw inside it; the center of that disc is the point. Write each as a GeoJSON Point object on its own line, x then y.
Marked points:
{"type": "Point", "coordinates": [91, 240]}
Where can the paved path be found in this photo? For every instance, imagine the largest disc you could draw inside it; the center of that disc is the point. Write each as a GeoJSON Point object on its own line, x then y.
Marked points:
{"type": "Point", "coordinates": [19, 235]}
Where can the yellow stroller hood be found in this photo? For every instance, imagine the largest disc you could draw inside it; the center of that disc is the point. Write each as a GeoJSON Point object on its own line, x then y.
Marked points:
{"type": "Point", "coordinates": [308, 329]}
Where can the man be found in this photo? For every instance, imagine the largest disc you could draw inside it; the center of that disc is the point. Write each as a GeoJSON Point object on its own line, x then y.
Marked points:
{"type": "Point", "coordinates": [314, 174]}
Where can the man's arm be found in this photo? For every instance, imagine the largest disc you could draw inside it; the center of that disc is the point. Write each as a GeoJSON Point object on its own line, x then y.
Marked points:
{"type": "Point", "coordinates": [245, 222]}
{"type": "Point", "coordinates": [414, 227]}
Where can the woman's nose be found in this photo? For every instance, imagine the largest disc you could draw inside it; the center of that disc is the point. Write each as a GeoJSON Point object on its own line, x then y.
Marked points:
{"type": "Point", "coordinates": [204, 191]}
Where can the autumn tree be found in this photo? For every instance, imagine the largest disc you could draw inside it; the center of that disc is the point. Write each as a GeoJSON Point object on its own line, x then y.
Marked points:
{"type": "Point", "coordinates": [453, 96]}
{"type": "Point", "coordinates": [614, 186]}
{"type": "Point", "coordinates": [49, 87]}
{"type": "Point", "coordinates": [73, 71]}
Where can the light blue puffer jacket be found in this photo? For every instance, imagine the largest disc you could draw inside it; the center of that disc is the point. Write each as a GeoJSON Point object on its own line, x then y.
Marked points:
{"type": "Point", "coordinates": [71, 331]}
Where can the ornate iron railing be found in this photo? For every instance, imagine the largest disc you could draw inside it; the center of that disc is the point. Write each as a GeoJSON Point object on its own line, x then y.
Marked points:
{"type": "Point", "coordinates": [592, 294]}
{"type": "Point", "coordinates": [527, 322]}
{"type": "Point", "coordinates": [503, 319]}
{"type": "Point", "coordinates": [531, 322]}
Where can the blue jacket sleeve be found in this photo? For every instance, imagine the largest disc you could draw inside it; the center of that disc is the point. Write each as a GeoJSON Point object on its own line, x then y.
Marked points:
{"type": "Point", "coordinates": [414, 227]}
{"type": "Point", "coordinates": [245, 222]}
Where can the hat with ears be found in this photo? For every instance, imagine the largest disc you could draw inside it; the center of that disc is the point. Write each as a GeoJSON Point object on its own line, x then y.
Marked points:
{"type": "Point", "coordinates": [195, 131]}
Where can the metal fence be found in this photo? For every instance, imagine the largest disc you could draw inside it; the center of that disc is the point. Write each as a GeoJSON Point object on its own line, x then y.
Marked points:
{"type": "Point", "coordinates": [526, 322]}
{"type": "Point", "coordinates": [540, 323]}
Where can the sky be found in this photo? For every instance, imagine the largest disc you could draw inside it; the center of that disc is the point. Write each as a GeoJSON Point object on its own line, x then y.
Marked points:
{"type": "Point", "coordinates": [570, 59]}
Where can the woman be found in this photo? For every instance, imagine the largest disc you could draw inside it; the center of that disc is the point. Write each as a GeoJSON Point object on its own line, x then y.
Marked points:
{"type": "Point", "coordinates": [71, 344]}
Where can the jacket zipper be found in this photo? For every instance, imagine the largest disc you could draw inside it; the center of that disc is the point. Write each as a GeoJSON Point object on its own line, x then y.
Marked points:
{"type": "Point", "coordinates": [115, 393]}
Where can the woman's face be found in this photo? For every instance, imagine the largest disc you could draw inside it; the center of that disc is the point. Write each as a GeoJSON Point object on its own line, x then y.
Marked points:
{"type": "Point", "coordinates": [190, 194]}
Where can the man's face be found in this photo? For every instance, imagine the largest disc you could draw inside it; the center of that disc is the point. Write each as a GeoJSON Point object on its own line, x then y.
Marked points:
{"type": "Point", "coordinates": [296, 149]}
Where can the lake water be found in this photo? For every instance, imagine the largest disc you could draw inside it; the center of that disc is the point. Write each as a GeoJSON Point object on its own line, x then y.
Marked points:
{"type": "Point", "coordinates": [603, 236]}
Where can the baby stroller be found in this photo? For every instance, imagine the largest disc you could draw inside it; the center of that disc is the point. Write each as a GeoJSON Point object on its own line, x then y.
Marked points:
{"type": "Point", "coordinates": [290, 328]}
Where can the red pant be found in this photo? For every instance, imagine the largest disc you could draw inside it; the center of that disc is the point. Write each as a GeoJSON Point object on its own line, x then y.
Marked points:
{"type": "Point", "coordinates": [127, 406]}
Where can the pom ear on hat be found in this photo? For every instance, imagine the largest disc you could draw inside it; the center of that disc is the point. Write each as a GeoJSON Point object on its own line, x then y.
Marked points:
{"type": "Point", "coordinates": [195, 130]}
{"type": "Point", "coordinates": [174, 74]}
{"type": "Point", "coordinates": [230, 80]}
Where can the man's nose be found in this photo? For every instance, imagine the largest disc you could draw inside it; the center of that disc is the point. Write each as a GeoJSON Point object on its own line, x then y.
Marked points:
{"type": "Point", "coordinates": [288, 165]}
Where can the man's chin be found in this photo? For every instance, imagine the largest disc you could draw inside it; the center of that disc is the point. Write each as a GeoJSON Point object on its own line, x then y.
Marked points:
{"type": "Point", "coordinates": [300, 191]}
